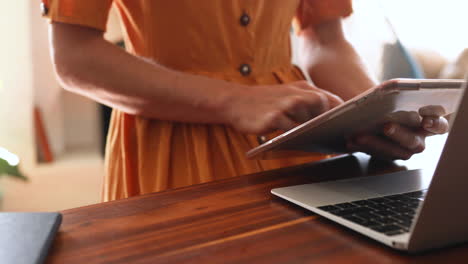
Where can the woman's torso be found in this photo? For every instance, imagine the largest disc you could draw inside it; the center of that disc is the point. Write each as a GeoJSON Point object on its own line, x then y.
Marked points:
{"type": "Point", "coordinates": [242, 41]}
{"type": "Point", "coordinates": [211, 36]}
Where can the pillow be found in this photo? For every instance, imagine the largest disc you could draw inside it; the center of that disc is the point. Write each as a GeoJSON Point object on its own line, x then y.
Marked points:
{"type": "Point", "coordinates": [397, 62]}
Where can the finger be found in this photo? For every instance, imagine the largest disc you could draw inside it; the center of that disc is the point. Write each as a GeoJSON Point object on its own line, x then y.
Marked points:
{"type": "Point", "coordinates": [323, 99]}
{"type": "Point", "coordinates": [405, 137]}
{"type": "Point", "coordinates": [333, 99]}
{"type": "Point", "coordinates": [271, 122]}
{"type": "Point", "coordinates": [376, 146]}
{"type": "Point", "coordinates": [302, 85]}
{"type": "Point", "coordinates": [301, 108]}
{"type": "Point", "coordinates": [435, 125]}
{"type": "Point", "coordinates": [284, 123]}
{"type": "Point", "coordinates": [409, 119]}
{"type": "Point", "coordinates": [299, 114]}
{"type": "Point", "coordinates": [326, 101]}
{"type": "Point", "coordinates": [432, 110]}
{"type": "Point", "coordinates": [316, 103]}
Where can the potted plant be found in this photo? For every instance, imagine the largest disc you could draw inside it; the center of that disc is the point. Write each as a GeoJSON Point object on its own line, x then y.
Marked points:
{"type": "Point", "coordinates": [9, 166]}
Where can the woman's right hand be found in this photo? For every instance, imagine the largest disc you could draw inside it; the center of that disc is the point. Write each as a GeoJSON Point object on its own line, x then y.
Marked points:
{"type": "Point", "coordinates": [267, 108]}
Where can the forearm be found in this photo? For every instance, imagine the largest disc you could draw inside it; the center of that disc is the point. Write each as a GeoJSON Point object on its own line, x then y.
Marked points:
{"type": "Point", "coordinates": [332, 62]}
{"type": "Point", "coordinates": [90, 66]}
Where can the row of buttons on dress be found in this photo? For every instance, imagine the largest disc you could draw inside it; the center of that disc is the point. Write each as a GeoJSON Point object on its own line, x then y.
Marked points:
{"type": "Point", "coordinates": [245, 68]}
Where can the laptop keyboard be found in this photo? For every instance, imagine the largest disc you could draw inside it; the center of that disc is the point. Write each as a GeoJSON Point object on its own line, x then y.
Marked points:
{"type": "Point", "coordinates": [391, 215]}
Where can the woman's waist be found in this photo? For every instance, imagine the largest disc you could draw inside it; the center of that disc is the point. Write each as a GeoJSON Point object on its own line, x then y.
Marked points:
{"type": "Point", "coordinates": [230, 66]}
{"type": "Point", "coordinates": [250, 73]}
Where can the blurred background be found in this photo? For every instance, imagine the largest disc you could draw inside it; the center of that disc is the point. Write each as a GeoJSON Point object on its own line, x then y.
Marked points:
{"type": "Point", "coordinates": [59, 137]}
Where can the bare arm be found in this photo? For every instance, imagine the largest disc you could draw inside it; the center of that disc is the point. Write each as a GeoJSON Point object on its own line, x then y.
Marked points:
{"type": "Point", "coordinates": [87, 64]}
{"type": "Point", "coordinates": [331, 60]}
{"type": "Point", "coordinates": [333, 64]}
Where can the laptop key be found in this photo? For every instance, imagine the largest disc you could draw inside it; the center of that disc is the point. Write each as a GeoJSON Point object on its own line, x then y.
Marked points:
{"type": "Point", "coordinates": [386, 228]}
{"type": "Point", "coordinates": [371, 223]}
{"type": "Point", "coordinates": [404, 210]}
{"type": "Point", "coordinates": [417, 194]}
{"type": "Point", "coordinates": [412, 198]}
{"type": "Point", "coordinates": [395, 204]}
{"type": "Point", "coordinates": [356, 219]}
{"type": "Point", "coordinates": [413, 205]}
{"type": "Point", "coordinates": [386, 220]}
{"type": "Point", "coordinates": [405, 199]}
{"type": "Point", "coordinates": [368, 215]}
{"type": "Point", "coordinates": [328, 208]}
{"type": "Point", "coordinates": [379, 200]}
{"type": "Point", "coordinates": [405, 224]}
{"type": "Point", "coordinates": [396, 232]}
{"type": "Point", "coordinates": [380, 207]}
{"type": "Point", "coordinates": [364, 203]}
{"type": "Point", "coordinates": [384, 213]}
{"type": "Point", "coordinates": [395, 198]}
{"type": "Point", "coordinates": [409, 216]}
{"type": "Point", "coordinates": [351, 211]}
{"type": "Point", "coordinates": [345, 205]}
{"type": "Point", "coordinates": [404, 217]}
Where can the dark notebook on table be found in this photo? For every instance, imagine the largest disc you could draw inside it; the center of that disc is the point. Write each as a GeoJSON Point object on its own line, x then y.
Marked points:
{"type": "Point", "coordinates": [26, 237]}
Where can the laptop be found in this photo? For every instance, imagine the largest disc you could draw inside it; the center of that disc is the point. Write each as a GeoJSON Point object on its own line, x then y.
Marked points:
{"type": "Point", "coordinates": [404, 210]}
{"type": "Point", "coordinates": [26, 237]}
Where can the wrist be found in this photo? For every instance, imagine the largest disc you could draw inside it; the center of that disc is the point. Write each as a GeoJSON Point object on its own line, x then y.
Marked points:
{"type": "Point", "coordinates": [229, 102]}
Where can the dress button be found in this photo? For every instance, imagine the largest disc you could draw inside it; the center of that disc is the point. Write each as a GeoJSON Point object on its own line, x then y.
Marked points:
{"type": "Point", "coordinates": [44, 9]}
{"type": "Point", "coordinates": [245, 69]}
{"type": "Point", "coordinates": [244, 19]}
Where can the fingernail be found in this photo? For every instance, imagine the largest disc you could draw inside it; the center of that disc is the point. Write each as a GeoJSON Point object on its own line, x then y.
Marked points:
{"type": "Point", "coordinates": [428, 123]}
{"type": "Point", "coordinates": [389, 129]}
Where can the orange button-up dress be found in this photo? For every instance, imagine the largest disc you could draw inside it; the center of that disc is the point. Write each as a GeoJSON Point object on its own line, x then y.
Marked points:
{"type": "Point", "coordinates": [241, 41]}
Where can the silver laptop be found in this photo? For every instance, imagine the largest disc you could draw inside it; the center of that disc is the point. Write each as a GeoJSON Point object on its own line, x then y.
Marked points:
{"type": "Point", "coordinates": [404, 210]}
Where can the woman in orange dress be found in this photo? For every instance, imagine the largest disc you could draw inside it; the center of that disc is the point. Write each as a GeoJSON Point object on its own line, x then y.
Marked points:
{"type": "Point", "coordinates": [201, 79]}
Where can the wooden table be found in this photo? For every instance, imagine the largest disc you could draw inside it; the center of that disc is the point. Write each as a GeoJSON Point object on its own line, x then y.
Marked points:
{"type": "Point", "coordinates": [230, 221]}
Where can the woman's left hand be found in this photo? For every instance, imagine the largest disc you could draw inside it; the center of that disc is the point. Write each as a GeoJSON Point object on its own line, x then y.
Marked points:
{"type": "Point", "coordinates": [402, 137]}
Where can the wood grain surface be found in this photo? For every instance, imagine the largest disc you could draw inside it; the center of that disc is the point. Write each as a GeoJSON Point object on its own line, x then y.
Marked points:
{"type": "Point", "coordinates": [236, 220]}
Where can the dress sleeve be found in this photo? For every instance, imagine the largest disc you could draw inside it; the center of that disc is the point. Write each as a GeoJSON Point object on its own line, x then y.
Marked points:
{"type": "Point", "coordinates": [312, 12]}
{"type": "Point", "coordinates": [89, 13]}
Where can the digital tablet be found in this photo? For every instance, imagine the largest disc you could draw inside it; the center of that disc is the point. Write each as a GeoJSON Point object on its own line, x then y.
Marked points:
{"type": "Point", "coordinates": [327, 132]}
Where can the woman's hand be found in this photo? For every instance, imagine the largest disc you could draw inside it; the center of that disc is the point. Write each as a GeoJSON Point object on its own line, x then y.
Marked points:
{"type": "Point", "coordinates": [403, 136]}
{"type": "Point", "coordinates": [264, 109]}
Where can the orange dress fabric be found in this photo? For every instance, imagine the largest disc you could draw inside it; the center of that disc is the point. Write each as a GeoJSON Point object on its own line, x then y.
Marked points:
{"type": "Point", "coordinates": [198, 37]}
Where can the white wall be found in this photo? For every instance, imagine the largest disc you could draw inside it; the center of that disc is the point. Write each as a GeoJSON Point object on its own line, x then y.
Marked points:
{"type": "Point", "coordinates": [27, 79]}
{"type": "Point", "coordinates": [431, 24]}
{"type": "Point", "coordinates": [16, 76]}
{"type": "Point", "coordinates": [47, 92]}
{"type": "Point", "coordinates": [433, 29]}
{"type": "Point", "coordinates": [114, 30]}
